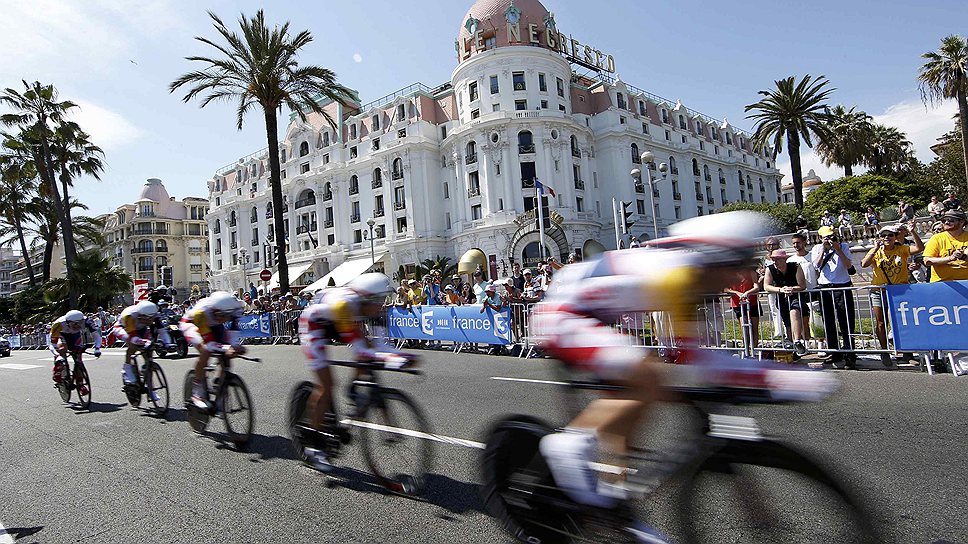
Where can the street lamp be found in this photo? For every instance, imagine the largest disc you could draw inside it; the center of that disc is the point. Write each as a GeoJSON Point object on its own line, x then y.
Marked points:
{"type": "Point", "coordinates": [369, 223]}
{"type": "Point", "coordinates": [243, 260]}
{"type": "Point", "coordinates": [648, 158]}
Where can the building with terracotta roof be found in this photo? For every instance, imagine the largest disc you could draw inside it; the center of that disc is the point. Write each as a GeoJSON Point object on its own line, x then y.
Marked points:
{"type": "Point", "coordinates": [811, 182]}
{"type": "Point", "coordinates": [444, 169]}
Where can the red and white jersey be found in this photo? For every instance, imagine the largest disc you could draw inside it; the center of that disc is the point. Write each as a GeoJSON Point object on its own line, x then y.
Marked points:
{"type": "Point", "coordinates": [335, 316]}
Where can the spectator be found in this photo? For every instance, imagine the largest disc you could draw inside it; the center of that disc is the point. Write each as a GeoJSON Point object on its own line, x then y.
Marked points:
{"type": "Point", "coordinates": [304, 300]}
{"type": "Point", "coordinates": [808, 300]}
{"type": "Point", "coordinates": [539, 293]}
{"type": "Point", "coordinates": [844, 221]}
{"type": "Point", "coordinates": [402, 299]}
{"type": "Point", "coordinates": [247, 306]}
{"type": "Point", "coordinates": [479, 285]}
{"type": "Point", "coordinates": [771, 244]}
{"type": "Point", "coordinates": [415, 293]}
{"type": "Point", "coordinates": [827, 220]}
{"type": "Point", "coordinates": [936, 207]}
{"type": "Point", "coordinates": [787, 280]}
{"type": "Point", "coordinates": [801, 224]}
{"type": "Point", "coordinates": [952, 202]}
{"type": "Point", "coordinates": [945, 251]}
{"type": "Point", "coordinates": [467, 294]}
{"type": "Point", "coordinates": [832, 259]}
{"type": "Point", "coordinates": [253, 292]}
{"type": "Point", "coordinates": [491, 299]}
{"type": "Point", "coordinates": [890, 260]}
{"type": "Point", "coordinates": [743, 302]}
{"type": "Point", "coordinates": [456, 281]}
{"type": "Point", "coordinates": [905, 211]}
{"type": "Point", "coordinates": [529, 284]}
{"type": "Point", "coordinates": [451, 298]}
{"type": "Point", "coordinates": [573, 258]}
{"type": "Point", "coordinates": [633, 242]}
{"type": "Point", "coordinates": [517, 278]}
{"type": "Point", "coordinates": [431, 291]}
{"type": "Point", "coordinates": [871, 220]}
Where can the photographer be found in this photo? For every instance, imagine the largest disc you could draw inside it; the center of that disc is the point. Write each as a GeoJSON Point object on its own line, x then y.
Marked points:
{"type": "Point", "coordinates": [832, 259]}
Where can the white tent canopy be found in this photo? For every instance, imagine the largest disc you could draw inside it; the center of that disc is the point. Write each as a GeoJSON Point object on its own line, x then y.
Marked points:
{"type": "Point", "coordinates": [295, 270]}
{"type": "Point", "coordinates": [344, 273]}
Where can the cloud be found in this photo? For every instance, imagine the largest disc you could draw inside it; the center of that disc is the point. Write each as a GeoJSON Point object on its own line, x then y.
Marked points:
{"type": "Point", "coordinates": [357, 58]}
{"type": "Point", "coordinates": [922, 126]}
{"type": "Point", "coordinates": [108, 129]}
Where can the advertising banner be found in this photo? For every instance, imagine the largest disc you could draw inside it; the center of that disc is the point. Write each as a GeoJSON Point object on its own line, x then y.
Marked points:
{"type": "Point", "coordinates": [141, 290]}
{"type": "Point", "coordinates": [451, 324]}
{"type": "Point", "coordinates": [254, 326]}
{"type": "Point", "coordinates": [929, 316]}
{"type": "Point", "coordinates": [14, 340]}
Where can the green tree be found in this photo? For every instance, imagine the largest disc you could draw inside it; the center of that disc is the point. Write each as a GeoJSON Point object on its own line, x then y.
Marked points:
{"type": "Point", "coordinates": [440, 263]}
{"type": "Point", "coordinates": [888, 150]}
{"type": "Point", "coordinates": [791, 111]}
{"type": "Point", "coordinates": [945, 75]}
{"type": "Point", "coordinates": [74, 155]}
{"type": "Point", "coordinates": [856, 193]}
{"type": "Point", "coordinates": [29, 306]}
{"type": "Point", "coordinates": [947, 170]}
{"type": "Point", "coordinates": [260, 69]}
{"type": "Point", "coordinates": [846, 139]}
{"type": "Point", "coordinates": [783, 216]}
{"type": "Point", "coordinates": [97, 284]}
{"type": "Point", "coordinates": [19, 186]}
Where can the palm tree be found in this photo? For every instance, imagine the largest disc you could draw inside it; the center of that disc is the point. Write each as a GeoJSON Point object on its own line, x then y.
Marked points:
{"type": "Point", "coordinates": [792, 110]}
{"type": "Point", "coordinates": [945, 75]}
{"type": "Point", "coordinates": [46, 230]}
{"type": "Point", "coordinates": [888, 150]}
{"type": "Point", "coordinates": [74, 155]}
{"type": "Point", "coordinates": [847, 135]}
{"type": "Point", "coordinates": [260, 69]}
{"type": "Point", "coordinates": [97, 282]}
{"type": "Point", "coordinates": [18, 185]}
{"type": "Point", "coordinates": [440, 263]}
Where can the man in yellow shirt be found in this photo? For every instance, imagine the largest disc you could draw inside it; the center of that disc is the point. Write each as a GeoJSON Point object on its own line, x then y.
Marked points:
{"type": "Point", "coordinates": [945, 252]}
{"type": "Point", "coordinates": [890, 261]}
{"type": "Point", "coordinates": [416, 293]}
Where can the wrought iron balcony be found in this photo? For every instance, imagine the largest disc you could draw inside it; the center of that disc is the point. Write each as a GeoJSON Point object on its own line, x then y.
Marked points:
{"type": "Point", "coordinates": [400, 206]}
{"type": "Point", "coordinates": [304, 228]}
{"type": "Point", "coordinates": [354, 218]}
{"type": "Point", "coordinates": [697, 173]}
{"type": "Point", "coordinates": [580, 185]}
{"type": "Point", "coordinates": [527, 183]}
{"type": "Point", "coordinates": [378, 212]}
{"type": "Point", "coordinates": [675, 170]}
{"type": "Point", "coordinates": [376, 184]}
{"type": "Point", "coordinates": [710, 201]}
{"type": "Point", "coordinates": [699, 197]}
{"type": "Point", "coordinates": [471, 158]}
{"type": "Point", "coordinates": [327, 196]}
{"type": "Point", "coordinates": [636, 159]}
{"type": "Point", "coordinates": [354, 189]}
{"type": "Point", "coordinates": [575, 152]}
{"type": "Point", "coordinates": [234, 245]}
{"type": "Point", "coordinates": [396, 174]}
{"type": "Point", "coordinates": [707, 177]}
{"type": "Point", "coordinates": [231, 222]}
{"type": "Point", "coordinates": [311, 201]}
{"type": "Point", "coordinates": [677, 196]}
{"type": "Point", "coordinates": [722, 180]}
{"type": "Point", "coordinates": [525, 149]}
{"type": "Point", "coordinates": [473, 191]}
{"type": "Point", "coordinates": [328, 223]}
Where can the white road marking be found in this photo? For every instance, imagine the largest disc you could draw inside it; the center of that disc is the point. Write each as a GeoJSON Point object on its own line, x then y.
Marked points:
{"type": "Point", "coordinates": [5, 537]}
{"type": "Point", "coordinates": [526, 380]}
{"type": "Point", "coordinates": [416, 434]}
{"type": "Point", "coordinates": [18, 366]}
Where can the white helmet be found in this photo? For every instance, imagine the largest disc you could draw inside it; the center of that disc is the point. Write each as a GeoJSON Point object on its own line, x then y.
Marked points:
{"type": "Point", "coordinates": [222, 301]}
{"type": "Point", "coordinates": [372, 285]}
{"type": "Point", "coordinates": [721, 239]}
{"type": "Point", "coordinates": [146, 309]}
{"type": "Point", "coordinates": [74, 315]}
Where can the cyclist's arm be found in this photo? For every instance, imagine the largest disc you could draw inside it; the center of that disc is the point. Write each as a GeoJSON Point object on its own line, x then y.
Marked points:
{"type": "Point", "coordinates": [96, 332]}
{"type": "Point", "coordinates": [52, 339]}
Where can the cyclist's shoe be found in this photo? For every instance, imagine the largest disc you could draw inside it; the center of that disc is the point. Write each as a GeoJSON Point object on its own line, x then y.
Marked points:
{"type": "Point", "coordinates": [317, 459]}
{"type": "Point", "coordinates": [81, 388]}
{"type": "Point", "coordinates": [153, 395]}
{"type": "Point", "coordinates": [569, 455]}
{"type": "Point", "coordinates": [199, 395]}
{"type": "Point", "coordinates": [645, 534]}
{"type": "Point", "coordinates": [127, 374]}
{"type": "Point", "coordinates": [58, 371]}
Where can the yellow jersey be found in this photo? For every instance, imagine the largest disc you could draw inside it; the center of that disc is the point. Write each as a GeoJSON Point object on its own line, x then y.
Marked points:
{"type": "Point", "coordinates": [943, 244]}
{"type": "Point", "coordinates": [891, 265]}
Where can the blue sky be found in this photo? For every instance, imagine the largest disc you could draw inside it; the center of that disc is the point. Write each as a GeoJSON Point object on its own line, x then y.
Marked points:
{"type": "Point", "coordinates": [116, 59]}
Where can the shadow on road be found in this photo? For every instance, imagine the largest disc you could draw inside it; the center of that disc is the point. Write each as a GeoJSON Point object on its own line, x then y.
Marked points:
{"type": "Point", "coordinates": [98, 407]}
{"type": "Point", "coordinates": [270, 447]}
{"type": "Point", "coordinates": [455, 496]}
{"type": "Point", "coordinates": [22, 532]}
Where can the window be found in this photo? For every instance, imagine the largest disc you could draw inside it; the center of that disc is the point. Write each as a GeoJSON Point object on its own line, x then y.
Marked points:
{"type": "Point", "coordinates": [326, 158]}
{"type": "Point", "coordinates": [517, 79]}
{"type": "Point", "coordinates": [378, 205]}
{"type": "Point", "coordinates": [401, 225]}
{"type": "Point", "coordinates": [353, 152]}
{"type": "Point", "coordinates": [447, 220]}
{"type": "Point", "coordinates": [635, 154]}
{"type": "Point", "coordinates": [495, 107]}
{"type": "Point", "coordinates": [473, 184]}
{"type": "Point", "coordinates": [668, 135]}
{"type": "Point", "coordinates": [325, 139]}
{"type": "Point", "coordinates": [357, 236]}
{"type": "Point", "coordinates": [682, 122]}
{"type": "Point", "coordinates": [621, 120]}
{"type": "Point", "coordinates": [542, 84]}
{"type": "Point", "coordinates": [715, 150]}
{"type": "Point", "coordinates": [544, 104]}
{"type": "Point", "coordinates": [446, 191]}
{"type": "Point", "coordinates": [355, 210]}
{"type": "Point", "coordinates": [678, 212]}
{"type": "Point", "coordinates": [621, 100]}
{"type": "Point", "coordinates": [397, 169]}
{"type": "Point", "coordinates": [476, 212]}
{"type": "Point", "coordinates": [641, 107]}
{"type": "Point", "coordinates": [561, 107]}
{"type": "Point", "coordinates": [443, 133]}
{"type": "Point", "coordinates": [401, 113]}
{"type": "Point", "coordinates": [353, 131]}
{"type": "Point", "coordinates": [376, 144]}
{"type": "Point", "coordinates": [283, 153]}
{"type": "Point", "coordinates": [698, 127]}
{"type": "Point", "coordinates": [304, 149]}
{"type": "Point", "coordinates": [472, 91]}
{"type": "Point", "coordinates": [702, 145]}
{"type": "Point", "coordinates": [645, 128]}
{"type": "Point", "coordinates": [399, 198]}
{"type": "Point", "coordinates": [665, 116]}
{"type": "Point", "coordinates": [495, 87]}
{"type": "Point", "coordinates": [304, 168]}
{"type": "Point", "coordinates": [354, 184]}
{"type": "Point", "coordinates": [375, 122]}
{"type": "Point", "coordinates": [525, 142]}
{"type": "Point", "coordinates": [561, 87]}
{"type": "Point", "coordinates": [475, 114]}
{"type": "Point", "coordinates": [331, 239]}
{"type": "Point", "coordinates": [497, 169]}
{"type": "Point", "coordinates": [520, 104]}
{"type": "Point", "coordinates": [640, 206]}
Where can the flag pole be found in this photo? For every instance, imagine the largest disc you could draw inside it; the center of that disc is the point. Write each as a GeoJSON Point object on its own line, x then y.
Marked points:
{"type": "Point", "coordinates": [541, 238]}
{"type": "Point", "coordinates": [615, 214]}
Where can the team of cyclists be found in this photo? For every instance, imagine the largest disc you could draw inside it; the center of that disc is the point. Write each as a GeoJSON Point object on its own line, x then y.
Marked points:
{"type": "Point", "coordinates": [701, 256]}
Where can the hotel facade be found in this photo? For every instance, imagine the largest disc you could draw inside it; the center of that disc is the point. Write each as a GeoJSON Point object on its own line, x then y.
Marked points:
{"type": "Point", "coordinates": [428, 171]}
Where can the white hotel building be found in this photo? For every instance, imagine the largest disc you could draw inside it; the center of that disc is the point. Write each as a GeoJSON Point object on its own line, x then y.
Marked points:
{"type": "Point", "coordinates": [448, 169]}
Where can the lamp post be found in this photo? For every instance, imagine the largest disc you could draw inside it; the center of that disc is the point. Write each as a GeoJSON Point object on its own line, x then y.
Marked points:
{"type": "Point", "coordinates": [648, 158]}
{"type": "Point", "coordinates": [369, 223]}
{"type": "Point", "coordinates": [243, 260]}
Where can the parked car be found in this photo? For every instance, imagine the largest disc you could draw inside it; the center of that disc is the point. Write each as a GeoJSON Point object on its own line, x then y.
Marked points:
{"type": "Point", "coordinates": [4, 347]}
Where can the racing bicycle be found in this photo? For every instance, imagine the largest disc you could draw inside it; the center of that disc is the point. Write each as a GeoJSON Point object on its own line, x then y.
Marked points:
{"type": "Point", "coordinates": [76, 380]}
{"type": "Point", "coordinates": [227, 398]}
{"type": "Point", "coordinates": [729, 483]}
{"type": "Point", "coordinates": [150, 381]}
{"type": "Point", "coordinates": [395, 436]}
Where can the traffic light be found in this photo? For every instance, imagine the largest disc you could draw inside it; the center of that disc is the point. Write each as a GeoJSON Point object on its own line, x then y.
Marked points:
{"type": "Point", "coordinates": [270, 255]}
{"type": "Point", "coordinates": [545, 212]}
{"type": "Point", "coordinates": [166, 276]}
{"type": "Point", "coordinates": [627, 220]}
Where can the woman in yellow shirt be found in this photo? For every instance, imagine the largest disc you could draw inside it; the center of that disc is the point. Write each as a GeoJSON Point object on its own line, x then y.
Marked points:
{"type": "Point", "coordinates": [945, 252]}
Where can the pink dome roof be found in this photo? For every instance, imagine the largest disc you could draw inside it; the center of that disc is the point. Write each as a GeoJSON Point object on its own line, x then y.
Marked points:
{"type": "Point", "coordinates": [490, 13]}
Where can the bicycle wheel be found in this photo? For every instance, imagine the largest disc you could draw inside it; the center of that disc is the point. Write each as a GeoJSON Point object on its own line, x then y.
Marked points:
{"type": "Point", "coordinates": [132, 391]}
{"type": "Point", "coordinates": [65, 385]}
{"type": "Point", "coordinates": [297, 416]}
{"type": "Point", "coordinates": [237, 410]}
{"type": "Point", "coordinates": [197, 418]}
{"type": "Point", "coordinates": [396, 440]}
{"type": "Point", "coordinates": [769, 492]}
{"type": "Point", "coordinates": [156, 387]}
{"type": "Point", "coordinates": [83, 386]}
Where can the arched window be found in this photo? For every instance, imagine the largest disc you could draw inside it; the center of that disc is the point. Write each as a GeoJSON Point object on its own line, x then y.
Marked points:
{"type": "Point", "coordinates": [574, 147]}
{"type": "Point", "coordinates": [354, 184]}
{"type": "Point", "coordinates": [269, 211]}
{"type": "Point", "coordinates": [254, 216]}
{"type": "Point", "coordinates": [698, 127]}
{"type": "Point", "coordinates": [672, 165]}
{"type": "Point", "coordinates": [325, 138]}
{"type": "Point", "coordinates": [397, 172]}
{"type": "Point", "coordinates": [525, 142]}
{"type": "Point", "coordinates": [377, 175]}
{"type": "Point", "coordinates": [232, 219]}
{"type": "Point", "coordinates": [328, 190]}
{"type": "Point", "coordinates": [635, 154]}
{"type": "Point", "coordinates": [621, 100]}
{"type": "Point", "coordinates": [471, 155]}
{"type": "Point", "coordinates": [304, 149]}
{"type": "Point", "coordinates": [722, 177]}
{"type": "Point", "coordinates": [695, 167]}
{"type": "Point", "coordinates": [705, 172]}
{"type": "Point", "coordinates": [145, 246]}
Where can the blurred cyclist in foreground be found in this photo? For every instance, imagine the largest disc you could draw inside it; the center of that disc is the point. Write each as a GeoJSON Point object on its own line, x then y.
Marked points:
{"type": "Point", "coordinates": [210, 327]}
{"type": "Point", "coordinates": [701, 257]}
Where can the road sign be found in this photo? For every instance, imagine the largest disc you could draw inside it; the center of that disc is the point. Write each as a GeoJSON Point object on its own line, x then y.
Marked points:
{"type": "Point", "coordinates": [265, 275]}
{"type": "Point", "coordinates": [141, 290]}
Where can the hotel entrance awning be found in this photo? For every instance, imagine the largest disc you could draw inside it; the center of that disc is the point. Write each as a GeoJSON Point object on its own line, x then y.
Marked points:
{"type": "Point", "coordinates": [344, 273]}
{"type": "Point", "coordinates": [295, 270]}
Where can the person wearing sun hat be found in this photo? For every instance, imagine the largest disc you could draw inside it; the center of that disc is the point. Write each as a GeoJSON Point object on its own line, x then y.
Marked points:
{"type": "Point", "coordinates": [946, 251]}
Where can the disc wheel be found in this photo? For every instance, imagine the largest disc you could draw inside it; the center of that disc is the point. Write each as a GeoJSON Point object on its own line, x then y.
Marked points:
{"type": "Point", "coordinates": [767, 492]}
{"type": "Point", "coordinates": [82, 383]}
{"type": "Point", "coordinates": [156, 389]}
{"type": "Point", "coordinates": [237, 410]}
{"type": "Point", "coordinates": [197, 418]}
{"type": "Point", "coordinates": [396, 440]}
{"type": "Point", "coordinates": [132, 391]}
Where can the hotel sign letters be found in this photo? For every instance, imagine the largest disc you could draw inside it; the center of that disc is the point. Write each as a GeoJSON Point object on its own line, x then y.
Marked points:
{"type": "Point", "coordinates": [534, 34]}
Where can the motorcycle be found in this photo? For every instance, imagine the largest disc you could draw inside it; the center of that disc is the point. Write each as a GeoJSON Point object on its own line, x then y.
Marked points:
{"type": "Point", "coordinates": [170, 323]}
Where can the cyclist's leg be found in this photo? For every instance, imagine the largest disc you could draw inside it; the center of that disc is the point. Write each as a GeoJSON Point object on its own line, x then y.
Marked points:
{"type": "Point", "coordinates": [321, 399]}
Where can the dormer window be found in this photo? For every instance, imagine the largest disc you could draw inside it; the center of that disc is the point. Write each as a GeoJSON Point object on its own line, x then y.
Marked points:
{"type": "Point", "coordinates": [353, 131]}
{"type": "Point", "coordinates": [401, 113]}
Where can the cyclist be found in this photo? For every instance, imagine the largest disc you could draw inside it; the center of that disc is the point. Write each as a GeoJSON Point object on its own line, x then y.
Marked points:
{"type": "Point", "coordinates": [210, 326]}
{"type": "Point", "coordinates": [134, 327]}
{"type": "Point", "coordinates": [703, 256]}
{"type": "Point", "coordinates": [337, 315]}
{"type": "Point", "coordinates": [67, 335]}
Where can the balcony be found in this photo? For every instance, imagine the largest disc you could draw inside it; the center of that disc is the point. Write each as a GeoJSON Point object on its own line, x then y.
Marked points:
{"type": "Point", "coordinates": [527, 184]}
{"type": "Point", "coordinates": [722, 180]}
{"type": "Point", "coordinates": [354, 218]}
{"type": "Point", "coordinates": [304, 228]}
{"type": "Point", "coordinates": [231, 223]}
{"type": "Point", "coordinates": [354, 189]}
{"type": "Point", "coordinates": [327, 196]}
{"type": "Point", "coordinates": [525, 149]}
{"type": "Point", "coordinates": [699, 197]}
{"type": "Point", "coordinates": [254, 219]}
{"type": "Point", "coordinates": [396, 174]}
{"type": "Point", "coordinates": [376, 184]}
{"type": "Point", "coordinates": [710, 201]}
{"type": "Point", "coordinates": [696, 173]}
{"type": "Point", "coordinates": [707, 177]}
{"type": "Point", "coordinates": [675, 170]}
{"type": "Point", "coordinates": [639, 187]}
{"type": "Point", "coordinates": [306, 202]}
{"type": "Point", "coordinates": [471, 158]}
{"type": "Point", "coordinates": [378, 212]}
{"type": "Point", "coordinates": [575, 152]}
{"type": "Point", "coordinates": [580, 185]}
{"type": "Point", "coordinates": [146, 232]}
{"type": "Point", "coordinates": [142, 250]}
{"type": "Point", "coordinates": [473, 191]}
{"type": "Point", "coordinates": [328, 223]}
{"type": "Point", "coordinates": [677, 196]}
{"type": "Point", "coordinates": [400, 206]}
{"type": "Point", "coordinates": [195, 267]}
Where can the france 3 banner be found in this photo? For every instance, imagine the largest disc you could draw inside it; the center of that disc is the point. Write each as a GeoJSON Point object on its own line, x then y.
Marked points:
{"type": "Point", "coordinates": [451, 324]}
{"type": "Point", "coordinates": [254, 326]}
{"type": "Point", "coordinates": [929, 316]}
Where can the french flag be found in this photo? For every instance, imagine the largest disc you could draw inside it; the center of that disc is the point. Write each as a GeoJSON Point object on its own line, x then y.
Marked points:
{"type": "Point", "coordinates": [542, 188]}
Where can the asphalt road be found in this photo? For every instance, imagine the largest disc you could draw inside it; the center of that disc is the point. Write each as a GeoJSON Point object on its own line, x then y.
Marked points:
{"type": "Point", "coordinates": [115, 474]}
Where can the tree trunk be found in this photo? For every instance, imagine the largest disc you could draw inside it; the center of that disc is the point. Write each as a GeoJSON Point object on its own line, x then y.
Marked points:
{"type": "Point", "coordinates": [68, 228]}
{"type": "Point", "coordinates": [47, 167]}
{"type": "Point", "coordinates": [848, 171]}
{"type": "Point", "coordinates": [278, 212]}
{"type": "Point", "coordinates": [793, 148]}
{"type": "Point", "coordinates": [963, 114]}
{"type": "Point", "coordinates": [48, 259]}
{"type": "Point", "coordinates": [23, 248]}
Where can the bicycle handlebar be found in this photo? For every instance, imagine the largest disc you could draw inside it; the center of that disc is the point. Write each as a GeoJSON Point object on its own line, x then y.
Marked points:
{"type": "Point", "coordinates": [376, 365]}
